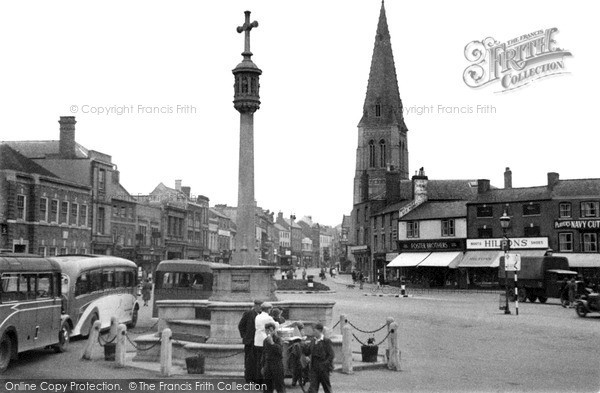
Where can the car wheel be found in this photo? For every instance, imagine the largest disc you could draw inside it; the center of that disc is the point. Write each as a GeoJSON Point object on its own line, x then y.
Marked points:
{"type": "Point", "coordinates": [581, 310]}
{"type": "Point", "coordinates": [542, 299]}
{"type": "Point", "coordinates": [64, 337]}
{"type": "Point", "coordinates": [5, 352]}
{"type": "Point", "coordinates": [134, 318]}
{"type": "Point", "coordinates": [532, 298]}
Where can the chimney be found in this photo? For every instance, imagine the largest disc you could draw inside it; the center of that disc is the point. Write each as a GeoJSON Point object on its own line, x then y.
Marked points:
{"type": "Point", "coordinates": [280, 216]}
{"type": "Point", "coordinates": [186, 190]}
{"type": "Point", "coordinates": [553, 179]}
{"type": "Point", "coordinates": [483, 186]}
{"type": "Point", "coordinates": [419, 183]}
{"type": "Point", "coordinates": [507, 178]}
{"type": "Point", "coordinates": [178, 185]}
{"type": "Point", "coordinates": [66, 145]}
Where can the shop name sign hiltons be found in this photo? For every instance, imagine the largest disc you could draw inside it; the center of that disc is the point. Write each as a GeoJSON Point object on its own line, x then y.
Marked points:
{"type": "Point", "coordinates": [514, 63]}
{"type": "Point", "coordinates": [577, 224]}
{"type": "Point", "coordinates": [515, 243]}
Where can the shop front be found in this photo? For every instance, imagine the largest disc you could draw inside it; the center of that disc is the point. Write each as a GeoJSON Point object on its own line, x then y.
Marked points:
{"type": "Point", "coordinates": [362, 257]}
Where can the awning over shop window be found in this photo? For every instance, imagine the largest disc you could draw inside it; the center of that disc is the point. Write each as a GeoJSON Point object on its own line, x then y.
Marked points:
{"type": "Point", "coordinates": [442, 259]}
{"type": "Point", "coordinates": [529, 253]}
{"type": "Point", "coordinates": [580, 260]}
{"type": "Point", "coordinates": [481, 259]}
{"type": "Point", "coordinates": [408, 259]}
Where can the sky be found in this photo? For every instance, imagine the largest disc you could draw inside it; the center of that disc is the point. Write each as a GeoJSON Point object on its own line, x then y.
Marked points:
{"type": "Point", "coordinates": [107, 62]}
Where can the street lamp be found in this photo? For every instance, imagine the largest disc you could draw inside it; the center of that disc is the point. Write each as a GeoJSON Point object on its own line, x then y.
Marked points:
{"type": "Point", "coordinates": [505, 223]}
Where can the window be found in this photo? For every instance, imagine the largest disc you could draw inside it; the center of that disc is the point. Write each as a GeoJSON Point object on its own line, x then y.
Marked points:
{"type": "Point", "coordinates": [123, 213]}
{"type": "Point", "coordinates": [74, 213]}
{"type": "Point", "coordinates": [42, 251]}
{"type": "Point", "coordinates": [64, 212]}
{"type": "Point", "coordinates": [21, 210]}
{"type": "Point", "coordinates": [589, 242]}
{"type": "Point", "coordinates": [54, 211]}
{"type": "Point", "coordinates": [382, 156]}
{"type": "Point", "coordinates": [52, 251]}
{"type": "Point", "coordinates": [101, 179]}
{"type": "Point", "coordinates": [531, 231]}
{"type": "Point", "coordinates": [565, 241]}
{"type": "Point", "coordinates": [589, 209]}
{"type": "Point", "coordinates": [378, 110]}
{"type": "Point", "coordinates": [100, 221]}
{"type": "Point", "coordinates": [63, 251]}
{"type": "Point", "coordinates": [82, 284]}
{"type": "Point", "coordinates": [564, 210]}
{"type": "Point", "coordinates": [412, 229]}
{"type": "Point", "coordinates": [108, 278]}
{"type": "Point", "coordinates": [485, 233]}
{"type": "Point", "coordinates": [448, 227]}
{"type": "Point", "coordinates": [485, 211]}
{"type": "Point", "coordinates": [95, 280]}
{"type": "Point", "coordinates": [383, 243]}
{"type": "Point", "coordinates": [371, 153]}
{"type": "Point", "coordinates": [531, 209]}
{"type": "Point", "coordinates": [44, 209]}
{"type": "Point", "coordinates": [83, 215]}
{"type": "Point", "coordinates": [44, 286]}
{"type": "Point", "coordinates": [375, 245]}
{"type": "Point", "coordinates": [115, 210]}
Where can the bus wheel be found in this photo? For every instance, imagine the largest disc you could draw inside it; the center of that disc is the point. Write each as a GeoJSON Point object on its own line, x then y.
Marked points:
{"type": "Point", "coordinates": [5, 352]}
{"type": "Point", "coordinates": [134, 318]}
{"type": "Point", "coordinates": [531, 297]}
{"type": "Point", "coordinates": [64, 337]}
{"type": "Point", "coordinates": [542, 299]}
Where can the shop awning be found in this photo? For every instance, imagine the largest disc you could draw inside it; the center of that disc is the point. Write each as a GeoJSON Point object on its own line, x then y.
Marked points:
{"type": "Point", "coordinates": [579, 259]}
{"type": "Point", "coordinates": [408, 259]}
{"type": "Point", "coordinates": [481, 259]}
{"type": "Point", "coordinates": [529, 253]}
{"type": "Point", "coordinates": [442, 259]}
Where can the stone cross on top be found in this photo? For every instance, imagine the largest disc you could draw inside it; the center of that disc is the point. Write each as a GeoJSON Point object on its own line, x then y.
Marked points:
{"type": "Point", "coordinates": [246, 28]}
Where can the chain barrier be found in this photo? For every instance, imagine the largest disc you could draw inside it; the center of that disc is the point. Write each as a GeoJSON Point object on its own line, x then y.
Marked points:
{"type": "Point", "coordinates": [225, 356]}
{"type": "Point", "coordinates": [337, 323]}
{"type": "Point", "coordinates": [367, 331]}
{"type": "Point", "coordinates": [100, 339]}
{"type": "Point", "coordinates": [139, 348]}
{"type": "Point", "coordinates": [144, 331]}
{"type": "Point", "coordinates": [379, 343]}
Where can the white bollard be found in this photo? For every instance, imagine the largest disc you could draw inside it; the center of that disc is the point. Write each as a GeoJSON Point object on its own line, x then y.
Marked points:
{"type": "Point", "coordinates": [120, 345]}
{"type": "Point", "coordinates": [394, 357]}
{"type": "Point", "coordinates": [91, 342]}
{"type": "Point", "coordinates": [342, 323]}
{"type": "Point", "coordinates": [166, 353]}
{"type": "Point", "coordinates": [347, 350]}
{"type": "Point", "coordinates": [388, 322]}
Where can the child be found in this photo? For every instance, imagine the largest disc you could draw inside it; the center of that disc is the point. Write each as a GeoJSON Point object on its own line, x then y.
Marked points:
{"type": "Point", "coordinates": [298, 362]}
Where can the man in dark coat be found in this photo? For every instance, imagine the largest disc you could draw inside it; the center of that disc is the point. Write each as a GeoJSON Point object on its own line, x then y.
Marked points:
{"type": "Point", "coordinates": [321, 361]}
{"type": "Point", "coordinates": [247, 329]}
{"type": "Point", "coordinates": [272, 361]}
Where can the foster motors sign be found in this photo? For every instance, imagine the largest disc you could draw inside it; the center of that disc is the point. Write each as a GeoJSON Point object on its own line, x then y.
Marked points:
{"type": "Point", "coordinates": [515, 243]}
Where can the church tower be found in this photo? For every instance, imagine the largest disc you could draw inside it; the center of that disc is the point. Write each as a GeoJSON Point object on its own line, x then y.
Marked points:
{"type": "Point", "coordinates": [382, 152]}
{"type": "Point", "coordinates": [382, 142]}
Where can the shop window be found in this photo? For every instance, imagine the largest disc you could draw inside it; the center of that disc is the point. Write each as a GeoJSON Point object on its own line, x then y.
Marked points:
{"type": "Point", "coordinates": [565, 241]}
{"type": "Point", "coordinates": [448, 227]}
{"type": "Point", "coordinates": [531, 209]}
{"type": "Point", "coordinates": [564, 210]}
{"type": "Point", "coordinates": [589, 209]}
{"type": "Point", "coordinates": [589, 242]}
{"type": "Point", "coordinates": [485, 211]}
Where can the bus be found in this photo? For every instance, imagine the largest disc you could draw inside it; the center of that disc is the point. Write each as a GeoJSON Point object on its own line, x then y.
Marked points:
{"type": "Point", "coordinates": [183, 279]}
{"type": "Point", "coordinates": [31, 313]}
{"type": "Point", "coordinates": [96, 288]}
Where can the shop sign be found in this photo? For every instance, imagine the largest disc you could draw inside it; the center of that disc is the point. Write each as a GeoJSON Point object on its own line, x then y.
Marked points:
{"type": "Point", "coordinates": [432, 245]}
{"type": "Point", "coordinates": [577, 224]}
{"type": "Point", "coordinates": [357, 249]}
{"type": "Point", "coordinates": [515, 243]}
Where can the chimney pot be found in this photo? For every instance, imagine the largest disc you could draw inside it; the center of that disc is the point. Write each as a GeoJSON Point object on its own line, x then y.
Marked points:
{"type": "Point", "coordinates": [483, 186]}
{"type": "Point", "coordinates": [553, 179]}
{"type": "Point", "coordinates": [178, 185]}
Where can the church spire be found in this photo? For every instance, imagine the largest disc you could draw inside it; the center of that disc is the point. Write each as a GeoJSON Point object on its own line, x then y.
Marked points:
{"type": "Point", "coordinates": [383, 105]}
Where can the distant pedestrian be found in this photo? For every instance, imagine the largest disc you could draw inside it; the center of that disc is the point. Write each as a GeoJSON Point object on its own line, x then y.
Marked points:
{"type": "Point", "coordinates": [146, 291]}
{"type": "Point", "coordinates": [361, 279]}
{"type": "Point", "coordinates": [381, 280]}
{"type": "Point", "coordinates": [247, 329]}
{"type": "Point", "coordinates": [572, 289]}
{"type": "Point", "coordinates": [298, 362]}
{"type": "Point", "coordinates": [276, 315]}
{"type": "Point", "coordinates": [272, 360]}
{"type": "Point", "coordinates": [290, 274]}
{"type": "Point", "coordinates": [321, 361]}
{"type": "Point", "coordinates": [304, 273]}
{"type": "Point", "coordinates": [353, 277]}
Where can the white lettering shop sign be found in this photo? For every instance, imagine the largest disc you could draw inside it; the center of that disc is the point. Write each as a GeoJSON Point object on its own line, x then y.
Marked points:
{"type": "Point", "coordinates": [515, 243]}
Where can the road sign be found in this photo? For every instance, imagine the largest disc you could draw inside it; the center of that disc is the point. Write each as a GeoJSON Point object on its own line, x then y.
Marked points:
{"type": "Point", "coordinates": [512, 262]}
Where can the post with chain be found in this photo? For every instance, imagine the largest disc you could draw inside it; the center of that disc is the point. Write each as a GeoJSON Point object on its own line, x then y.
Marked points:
{"type": "Point", "coordinates": [388, 351]}
{"type": "Point", "coordinates": [347, 349]}
{"type": "Point", "coordinates": [166, 353]}
{"type": "Point", "coordinates": [91, 342]}
{"type": "Point", "coordinates": [113, 327]}
{"type": "Point", "coordinates": [394, 357]}
{"type": "Point", "coordinates": [120, 347]}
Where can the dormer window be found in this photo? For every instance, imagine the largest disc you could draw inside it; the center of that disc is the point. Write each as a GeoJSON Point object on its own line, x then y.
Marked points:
{"type": "Point", "coordinates": [377, 110]}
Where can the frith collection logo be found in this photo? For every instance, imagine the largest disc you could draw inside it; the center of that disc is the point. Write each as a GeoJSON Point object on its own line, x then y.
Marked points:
{"type": "Point", "coordinates": [514, 63]}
